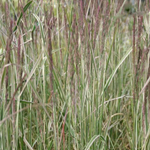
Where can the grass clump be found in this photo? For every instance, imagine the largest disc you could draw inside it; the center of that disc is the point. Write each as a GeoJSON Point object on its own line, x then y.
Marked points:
{"type": "Point", "coordinates": [74, 75]}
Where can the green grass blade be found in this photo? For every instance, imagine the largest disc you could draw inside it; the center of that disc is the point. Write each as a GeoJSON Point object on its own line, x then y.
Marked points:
{"type": "Point", "coordinates": [24, 10]}
{"type": "Point", "coordinates": [93, 139]}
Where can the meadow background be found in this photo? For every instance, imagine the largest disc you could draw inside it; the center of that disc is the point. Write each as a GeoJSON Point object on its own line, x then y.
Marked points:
{"type": "Point", "coordinates": [74, 75]}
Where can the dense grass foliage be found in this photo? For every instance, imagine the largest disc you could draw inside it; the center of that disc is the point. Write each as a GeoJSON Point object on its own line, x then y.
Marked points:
{"type": "Point", "coordinates": [74, 75]}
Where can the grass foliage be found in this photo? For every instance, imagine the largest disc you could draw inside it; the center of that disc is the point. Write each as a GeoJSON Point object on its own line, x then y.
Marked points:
{"type": "Point", "coordinates": [74, 75]}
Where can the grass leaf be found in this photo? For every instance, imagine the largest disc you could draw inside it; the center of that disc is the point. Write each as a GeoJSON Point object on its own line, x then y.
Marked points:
{"type": "Point", "coordinates": [24, 10]}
